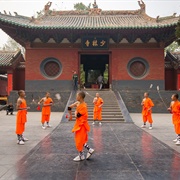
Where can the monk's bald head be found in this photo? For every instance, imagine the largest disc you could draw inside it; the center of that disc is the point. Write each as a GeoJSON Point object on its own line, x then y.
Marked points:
{"type": "Point", "coordinates": [97, 95]}
{"type": "Point", "coordinates": [21, 93]}
{"type": "Point", "coordinates": [146, 94]}
{"type": "Point", "coordinates": [175, 97]}
{"type": "Point", "coordinates": [47, 94]}
{"type": "Point", "coordinates": [81, 94]}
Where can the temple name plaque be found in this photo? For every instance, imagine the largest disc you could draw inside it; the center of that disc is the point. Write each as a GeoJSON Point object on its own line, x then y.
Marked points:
{"type": "Point", "coordinates": [97, 43]}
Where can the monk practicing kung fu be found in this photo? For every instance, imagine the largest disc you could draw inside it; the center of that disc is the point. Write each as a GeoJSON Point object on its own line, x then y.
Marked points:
{"type": "Point", "coordinates": [147, 105]}
{"type": "Point", "coordinates": [175, 110]}
{"type": "Point", "coordinates": [46, 110]}
{"type": "Point", "coordinates": [98, 103]}
{"type": "Point", "coordinates": [81, 127]}
{"type": "Point", "coordinates": [21, 118]}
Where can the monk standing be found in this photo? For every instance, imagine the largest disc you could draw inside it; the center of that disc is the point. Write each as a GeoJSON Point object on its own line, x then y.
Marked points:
{"type": "Point", "coordinates": [175, 110]}
{"type": "Point", "coordinates": [81, 127]}
{"type": "Point", "coordinates": [46, 110]}
{"type": "Point", "coordinates": [21, 118]}
{"type": "Point", "coordinates": [98, 103]}
{"type": "Point", "coordinates": [147, 105]}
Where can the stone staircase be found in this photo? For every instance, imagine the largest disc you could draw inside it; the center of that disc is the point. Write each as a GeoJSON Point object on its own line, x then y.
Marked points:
{"type": "Point", "coordinates": [111, 111]}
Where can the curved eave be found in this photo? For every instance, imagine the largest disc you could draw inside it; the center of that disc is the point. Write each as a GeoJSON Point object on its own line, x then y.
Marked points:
{"type": "Point", "coordinates": [31, 26]}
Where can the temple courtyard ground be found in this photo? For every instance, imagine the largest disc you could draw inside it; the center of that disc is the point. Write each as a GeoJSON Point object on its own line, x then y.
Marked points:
{"type": "Point", "coordinates": [123, 151]}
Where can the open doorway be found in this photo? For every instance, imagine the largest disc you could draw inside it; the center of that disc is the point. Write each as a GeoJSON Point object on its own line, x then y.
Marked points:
{"type": "Point", "coordinates": [91, 66]}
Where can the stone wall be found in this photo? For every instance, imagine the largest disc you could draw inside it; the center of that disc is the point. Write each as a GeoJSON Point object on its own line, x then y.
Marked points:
{"type": "Point", "coordinates": [133, 100]}
{"type": "Point", "coordinates": [32, 99]}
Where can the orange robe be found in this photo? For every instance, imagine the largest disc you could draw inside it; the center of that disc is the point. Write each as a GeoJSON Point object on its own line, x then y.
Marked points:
{"type": "Point", "coordinates": [81, 127]}
{"type": "Point", "coordinates": [21, 118]}
{"type": "Point", "coordinates": [146, 113]}
{"type": "Point", "coordinates": [175, 109]}
{"type": "Point", "coordinates": [97, 109]}
{"type": "Point", "coordinates": [46, 110]}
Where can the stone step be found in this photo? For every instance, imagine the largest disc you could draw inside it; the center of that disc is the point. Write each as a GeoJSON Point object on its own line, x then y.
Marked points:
{"type": "Point", "coordinates": [110, 110]}
{"type": "Point", "coordinates": [107, 113]}
{"type": "Point", "coordinates": [107, 119]}
{"type": "Point", "coordinates": [104, 105]}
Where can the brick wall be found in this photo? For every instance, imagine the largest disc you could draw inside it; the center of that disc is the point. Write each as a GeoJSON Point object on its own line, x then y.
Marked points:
{"type": "Point", "coordinates": [69, 60]}
{"type": "Point", "coordinates": [122, 80]}
{"type": "Point", "coordinates": [3, 87]}
{"type": "Point", "coordinates": [121, 57]}
{"type": "Point", "coordinates": [67, 57]}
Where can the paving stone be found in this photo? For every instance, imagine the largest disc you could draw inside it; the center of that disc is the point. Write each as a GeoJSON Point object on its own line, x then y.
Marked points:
{"type": "Point", "coordinates": [122, 151]}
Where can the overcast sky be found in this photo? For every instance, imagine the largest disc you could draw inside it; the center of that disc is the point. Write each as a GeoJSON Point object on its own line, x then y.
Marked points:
{"type": "Point", "coordinates": [30, 7]}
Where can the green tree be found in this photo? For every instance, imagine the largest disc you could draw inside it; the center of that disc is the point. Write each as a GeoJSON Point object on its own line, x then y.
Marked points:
{"type": "Point", "coordinates": [174, 47]}
{"type": "Point", "coordinates": [178, 32]}
{"type": "Point", "coordinates": [81, 6]}
{"type": "Point", "coordinates": [12, 45]}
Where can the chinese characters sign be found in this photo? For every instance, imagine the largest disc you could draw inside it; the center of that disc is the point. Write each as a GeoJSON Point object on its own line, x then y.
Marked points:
{"type": "Point", "coordinates": [95, 43]}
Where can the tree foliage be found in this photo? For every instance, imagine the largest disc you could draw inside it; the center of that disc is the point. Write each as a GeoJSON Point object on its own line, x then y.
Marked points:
{"type": "Point", "coordinates": [174, 47]}
{"type": "Point", "coordinates": [12, 45]}
{"type": "Point", "coordinates": [178, 32]}
{"type": "Point", "coordinates": [81, 6]}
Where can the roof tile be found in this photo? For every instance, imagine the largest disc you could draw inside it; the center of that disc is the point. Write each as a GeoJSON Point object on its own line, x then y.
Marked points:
{"type": "Point", "coordinates": [103, 21]}
{"type": "Point", "coordinates": [7, 58]}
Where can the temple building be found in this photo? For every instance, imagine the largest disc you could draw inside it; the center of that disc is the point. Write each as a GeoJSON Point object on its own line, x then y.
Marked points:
{"type": "Point", "coordinates": [126, 47]}
{"type": "Point", "coordinates": [12, 72]}
{"type": "Point", "coordinates": [172, 71]}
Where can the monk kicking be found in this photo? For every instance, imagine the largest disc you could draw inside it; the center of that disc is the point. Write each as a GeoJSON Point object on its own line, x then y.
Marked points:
{"type": "Point", "coordinates": [46, 110]}
{"type": "Point", "coordinates": [175, 110]}
{"type": "Point", "coordinates": [147, 105]}
{"type": "Point", "coordinates": [98, 103]}
{"type": "Point", "coordinates": [81, 127]}
{"type": "Point", "coordinates": [21, 118]}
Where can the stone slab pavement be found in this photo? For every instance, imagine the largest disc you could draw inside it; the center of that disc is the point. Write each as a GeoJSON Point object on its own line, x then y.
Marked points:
{"type": "Point", "coordinates": [10, 152]}
{"type": "Point", "coordinates": [123, 151]}
{"type": "Point", "coordinates": [163, 128]}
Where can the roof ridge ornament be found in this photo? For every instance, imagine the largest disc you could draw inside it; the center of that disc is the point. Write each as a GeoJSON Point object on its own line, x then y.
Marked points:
{"type": "Point", "coordinates": [95, 4]}
{"type": "Point", "coordinates": [142, 6]}
{"type": "Point", "coordinates": [159, 19]}
{"type": "Point", "coordinates": [95, 10]}
{"type": "Point", "coordinates": [47, 6]}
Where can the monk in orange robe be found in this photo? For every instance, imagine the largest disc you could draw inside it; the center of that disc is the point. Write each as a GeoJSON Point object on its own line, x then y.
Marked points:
{"type": "Point", "coordinates": [98, 103]}
{"type": "Point", "coordinates": [175, 110]}
{"type": "Point", "coordinates": [21, 118]}
{"type": "Point", "coordinates": [147, 105]}
{"type": "Point", "coordinates": [46, 110]}
{"type": "Point", "coordinates": [81, 127]}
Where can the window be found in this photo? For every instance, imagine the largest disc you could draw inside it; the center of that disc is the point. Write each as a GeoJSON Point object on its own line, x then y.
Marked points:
{"type": "Point", "coordinates": [51, 68]}
{"type": "Point", "coordinates": [138, 68]}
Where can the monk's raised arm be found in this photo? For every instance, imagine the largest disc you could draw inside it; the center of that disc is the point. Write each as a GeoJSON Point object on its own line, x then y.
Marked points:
{"type": "Point", "coordinates": [41, 101]}
{"type": "Point", "coordinates": [70, 109]}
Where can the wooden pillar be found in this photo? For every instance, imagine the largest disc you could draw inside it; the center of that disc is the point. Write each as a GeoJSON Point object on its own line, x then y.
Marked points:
{"type": "Point", "coordinates": [10, 82]}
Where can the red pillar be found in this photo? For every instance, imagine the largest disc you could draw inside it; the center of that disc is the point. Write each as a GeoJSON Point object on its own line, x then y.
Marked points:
{"type": "Point", "coordinates": [10, 83]}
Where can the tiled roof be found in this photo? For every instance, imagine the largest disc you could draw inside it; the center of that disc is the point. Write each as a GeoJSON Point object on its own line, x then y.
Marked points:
{"type": "Point", "coordinates": [171, 61]}
{"type": "Point", "coordinates": [177, 55]}
{"type": "Point", "coordinates": [7, 59]}
{"type": "Point", "coordinates": [106, 20]}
